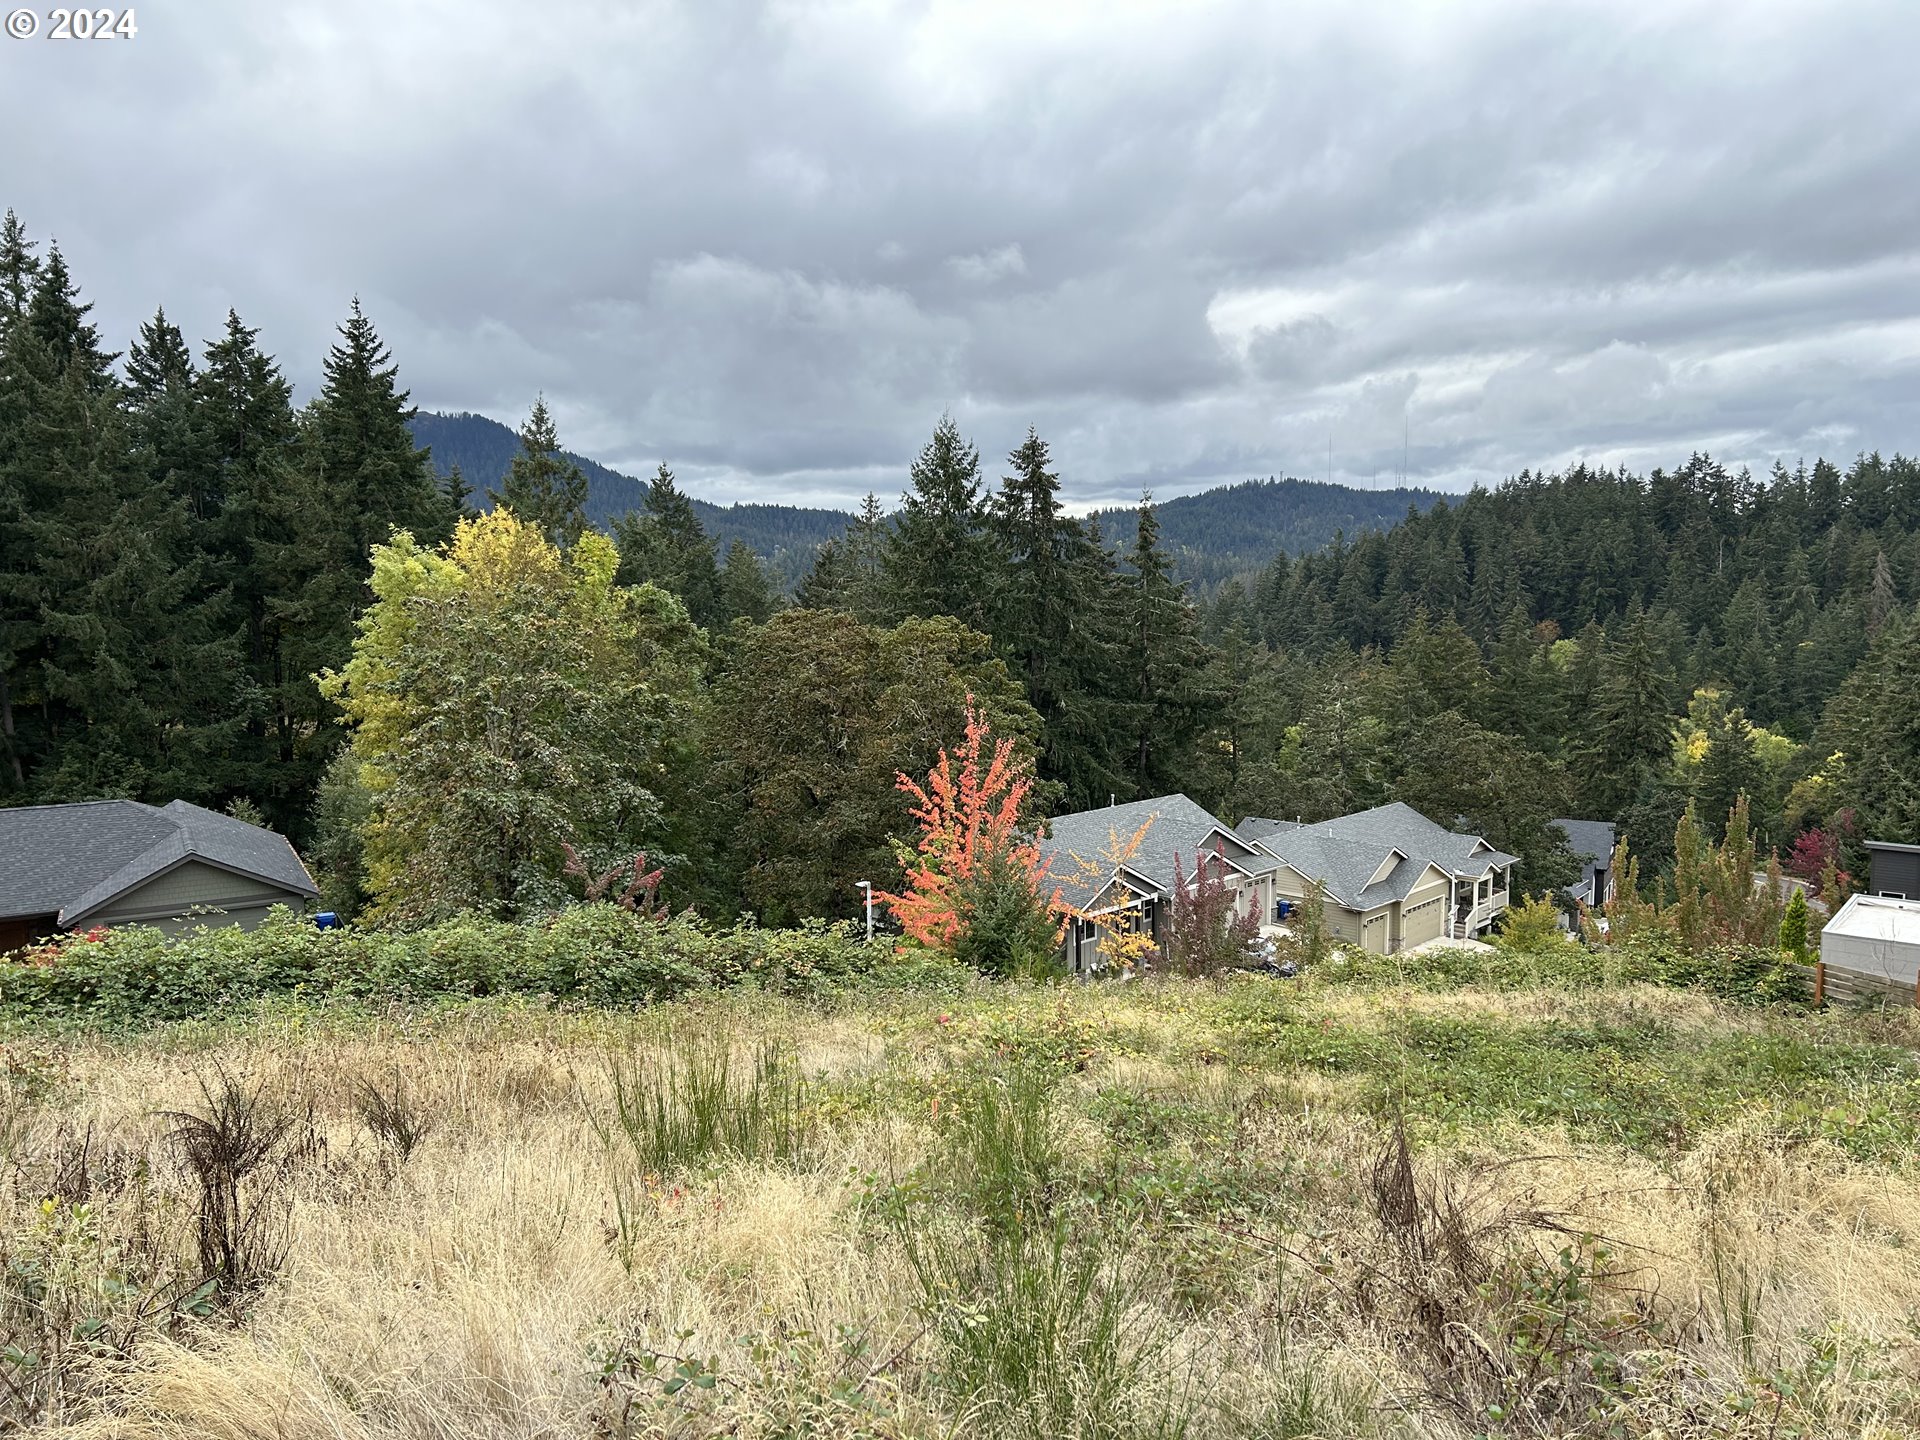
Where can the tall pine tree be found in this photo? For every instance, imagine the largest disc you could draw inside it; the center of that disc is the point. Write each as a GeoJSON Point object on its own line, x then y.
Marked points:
{"type": "Point", "coordinates": [1054, 620]}
{"type": "Point", "coordinates": [1634, 717]}
{"type": "Point", "coordinates": [359, 447]}
{"type": "Point", "coordinates": [360, 479]}
{"type": "Point", "coordinates": [1168, 702]}
{"type": "Point", "coordinates": [19, 620]}
{"type": "Point", "coordinates": [542, 488]}
{"type": "Point", "coordinates": [862, 551]}
{"type": "Point", "coordinates": [936, 559]}
{"type": "Point", "coordinates": [745, 592]}
{"type": "Point", "coordinates": [667, 546]}
{"type": "Point", "coordinates": [115, 665]}
{"type": "Point", "coordinates": [270, 568]}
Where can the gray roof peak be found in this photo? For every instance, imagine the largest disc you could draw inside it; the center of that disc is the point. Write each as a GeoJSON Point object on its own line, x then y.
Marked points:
{"type": "Point", "coordinates": [1078, 847]}
{"type": "Point", "coordinates": [1345, 854]}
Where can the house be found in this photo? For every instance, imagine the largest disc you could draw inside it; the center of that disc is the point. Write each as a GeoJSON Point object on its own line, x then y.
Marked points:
{"type": "Point", "coordinates": [1393, 878]}
{"type": "Point", "coordinates": [1893, 870]}
{"type": "Point", "coordinates": [1112, 891]}
{"type": "Point", "coordinates": [1592, 844]}
{"type": "Point", "coordinates": [1876, 936]}
{"type": "Point", "coordinates": [118, 862]}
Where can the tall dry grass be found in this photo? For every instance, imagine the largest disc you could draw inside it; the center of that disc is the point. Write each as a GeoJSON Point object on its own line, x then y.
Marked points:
{"type": "Point", "coordinates": [523, 1265]}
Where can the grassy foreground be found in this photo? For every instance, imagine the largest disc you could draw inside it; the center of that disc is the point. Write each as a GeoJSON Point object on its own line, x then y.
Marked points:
{"type": "Point", "coordinates": [1387, 1204]}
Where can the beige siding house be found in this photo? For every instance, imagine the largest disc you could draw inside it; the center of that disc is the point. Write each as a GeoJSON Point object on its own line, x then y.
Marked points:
{"type": "Point", "coordinates": [118, 862]}
{"type": "Point", "coordinates": [1392, 878]}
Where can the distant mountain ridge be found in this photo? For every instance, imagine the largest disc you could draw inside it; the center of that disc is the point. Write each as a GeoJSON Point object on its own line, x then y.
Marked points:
{"type": "Point", "coordinates": [1219, 533]}
{"type": "Point", "coordinates": [783, 535]}
{"type": "Point", "coordinates": [1235, 529]}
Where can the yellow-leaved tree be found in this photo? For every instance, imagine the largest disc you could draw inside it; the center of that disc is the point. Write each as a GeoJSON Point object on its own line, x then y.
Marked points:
{"type": "Point", "coordinates": [506, 700]}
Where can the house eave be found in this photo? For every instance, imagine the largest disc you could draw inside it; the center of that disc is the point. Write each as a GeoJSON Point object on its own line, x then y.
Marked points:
{"type": "Point", "coordinates": [68, 921]}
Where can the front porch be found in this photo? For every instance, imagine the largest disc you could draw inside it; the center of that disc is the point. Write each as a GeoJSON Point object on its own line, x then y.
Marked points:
{"type": "Point", "coordinates": [1478, 903]}
{"type": "Point", "coordinates": [1090, 936]}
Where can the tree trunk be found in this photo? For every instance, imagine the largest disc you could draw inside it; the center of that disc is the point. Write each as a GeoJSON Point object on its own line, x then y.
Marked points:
{"type": "Point", "coordinates": [7, 732]}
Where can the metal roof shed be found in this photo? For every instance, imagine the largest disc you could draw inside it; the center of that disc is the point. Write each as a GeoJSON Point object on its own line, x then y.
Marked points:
{"type": "Point", "coordinates": [1874, 935]}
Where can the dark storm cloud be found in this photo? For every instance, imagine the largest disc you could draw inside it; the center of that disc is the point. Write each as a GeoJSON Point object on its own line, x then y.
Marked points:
{"type": "Point", "coordinates": [771, 243]}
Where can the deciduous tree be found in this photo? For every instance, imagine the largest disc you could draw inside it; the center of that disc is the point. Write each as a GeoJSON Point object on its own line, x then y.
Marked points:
{"type": "Point", "coordinates": [975, 884]}
{"type": "Point", "coordinates": [505, 701]}
{"type": "Point", "coordinates": [815, 714]}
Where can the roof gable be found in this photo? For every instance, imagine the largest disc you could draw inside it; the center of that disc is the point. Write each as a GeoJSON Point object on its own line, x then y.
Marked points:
{"type": "Point", "coordinates": [1122, 890]}
{"type": "Point", "coordinates": [1591, 842]}
{"type": "Point", "coordinates": [1354, 857]}
{"type": "Point", "coordinates": [1176, 828]}
{"type": "Point", "coordinates": [1393, 858]}
{"type": "Point", "coordinates": [1399, 826]}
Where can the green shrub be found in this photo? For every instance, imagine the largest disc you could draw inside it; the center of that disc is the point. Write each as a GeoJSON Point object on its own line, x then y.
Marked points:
{"type": "Point", "coordinates": [1530, 925]}
{"type": "Point", "coordinates": [591, 954]}
{"type": "Point", "coordinates": [1450, 967]}
{"type": "Point", "coordinates": [1744, 974]}
{"type": "Point", "coordinates": [1008, 930]}
{"type": "Point", "coordinates": [1793, 930]}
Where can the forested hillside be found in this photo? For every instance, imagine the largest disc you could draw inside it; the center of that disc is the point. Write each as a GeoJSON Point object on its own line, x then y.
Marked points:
{"type": "Point", "coordinates": [204, 595]}
{"type": "Point", "coordinates": [1212, 536]}
{"type": "Point", "coordinates": [1235, 529]}
{"type": "Point", "coordinates": [1691, 633]}
{"type": "Point", "coordinates": [1773, 586]}
{"type": "Point", "coordinates": [784, 536]}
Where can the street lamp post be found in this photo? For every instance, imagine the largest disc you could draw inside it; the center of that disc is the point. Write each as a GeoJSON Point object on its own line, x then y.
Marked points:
{"type": "Point", "coordinates": [867, 887]}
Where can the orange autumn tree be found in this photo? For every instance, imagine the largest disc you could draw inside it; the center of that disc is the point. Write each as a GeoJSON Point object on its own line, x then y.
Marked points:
{"type": "Point", "coordinates": [975, 885]}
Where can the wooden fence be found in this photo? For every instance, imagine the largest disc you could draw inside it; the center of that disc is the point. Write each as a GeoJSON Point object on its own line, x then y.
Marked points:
{"type": "Point", "coordinates": [1831, 985]}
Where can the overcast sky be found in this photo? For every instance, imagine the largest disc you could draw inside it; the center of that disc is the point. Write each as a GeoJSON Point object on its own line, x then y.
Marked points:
{"type": "Point", "coordinates": [769, 244]}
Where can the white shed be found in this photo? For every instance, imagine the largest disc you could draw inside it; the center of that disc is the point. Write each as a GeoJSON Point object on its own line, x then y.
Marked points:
{"type": "Point", "coordinates": [1874, 935]}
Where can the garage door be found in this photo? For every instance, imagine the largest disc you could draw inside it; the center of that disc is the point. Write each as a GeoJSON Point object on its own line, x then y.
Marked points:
{"type": "Point", "coordinates": [1423, 922]}
{"type": "Point", "coordinates": [1373, 934]}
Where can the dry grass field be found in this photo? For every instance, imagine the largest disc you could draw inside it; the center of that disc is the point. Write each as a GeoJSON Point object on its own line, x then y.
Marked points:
{"type": "Point", "coordinates": [1258, 1208]}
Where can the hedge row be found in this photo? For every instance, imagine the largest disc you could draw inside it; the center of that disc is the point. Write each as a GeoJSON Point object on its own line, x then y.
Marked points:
{"type": "Point", "coordinates": [1741, 974]}
{"type": "Point", "coordinates": [591, 955]}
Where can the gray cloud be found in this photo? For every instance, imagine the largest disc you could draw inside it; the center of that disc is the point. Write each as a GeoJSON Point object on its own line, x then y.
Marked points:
{"type": "Point", "coordinates": [770, 243]}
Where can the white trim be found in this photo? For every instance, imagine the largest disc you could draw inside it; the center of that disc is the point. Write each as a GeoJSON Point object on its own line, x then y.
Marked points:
{"type": "Point", "coordinates": [1395, 858]}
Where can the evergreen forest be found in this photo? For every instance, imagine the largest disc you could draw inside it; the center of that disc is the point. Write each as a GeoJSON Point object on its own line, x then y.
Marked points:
{"type": "Point", "coordinates": [193, 563]}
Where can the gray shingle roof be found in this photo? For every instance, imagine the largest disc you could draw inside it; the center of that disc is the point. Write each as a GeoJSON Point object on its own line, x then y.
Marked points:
{"type": "Point", "coordinates": [1345, 854]}
{"type": "Point", "coordinates": [1256, 828]}
{"type": "Point", "coordinates": [68, 860]}
{"type": "Point", "coordinates": [1075, 847]}
{"type": "Point", "coordinates": [1592, 844]}
{"type": "Point", "coordinates": [1590, 840]}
